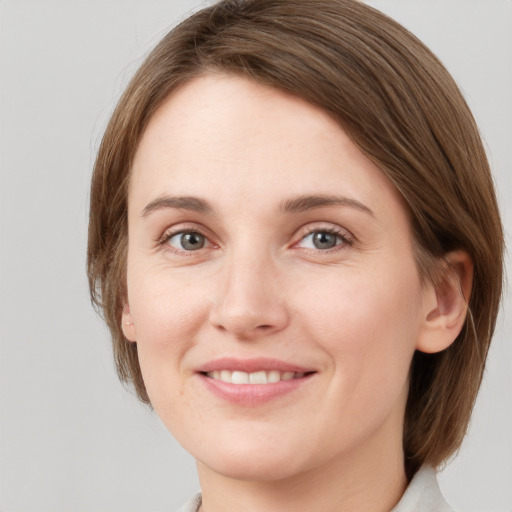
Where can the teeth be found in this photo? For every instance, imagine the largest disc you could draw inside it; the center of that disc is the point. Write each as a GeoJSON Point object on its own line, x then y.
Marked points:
{"type": "Point", "coordinates": [240, 378]}
{"type": "Point", "coordinates": [260, 377]}
{"type": "Point", "coordinates": [273, 376]}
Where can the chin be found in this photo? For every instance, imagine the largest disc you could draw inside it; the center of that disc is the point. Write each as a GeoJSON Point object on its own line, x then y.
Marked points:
{"type": "Point", "coordinates": [249, 468]}
{"type": "Point", "coordinates": [250, 462]}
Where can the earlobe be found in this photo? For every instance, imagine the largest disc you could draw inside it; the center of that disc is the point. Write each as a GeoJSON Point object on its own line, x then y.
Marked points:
{"type": "Point", "coordinates": [127, 324]}
{"type": "Point", "coordinates": [446, 303]}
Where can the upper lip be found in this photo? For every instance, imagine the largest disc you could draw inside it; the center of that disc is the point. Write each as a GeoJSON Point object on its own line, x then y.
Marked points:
{"type": "Point", "coordinates": [251, 365]}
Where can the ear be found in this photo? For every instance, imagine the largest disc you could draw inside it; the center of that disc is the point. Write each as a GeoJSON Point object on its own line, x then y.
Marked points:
{"type": "Point", "coordinates": [446, 303]}
{"type": "Point", "coordinates": [127, 324]}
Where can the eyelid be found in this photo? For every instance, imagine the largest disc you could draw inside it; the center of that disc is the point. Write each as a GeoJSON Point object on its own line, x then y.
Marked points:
{"type": "Point", "coordinates": [172, 231]}
{"type": "Point", "coordinates": [181, 234]}
{"type": "Point", "coordinates": [346, 236]}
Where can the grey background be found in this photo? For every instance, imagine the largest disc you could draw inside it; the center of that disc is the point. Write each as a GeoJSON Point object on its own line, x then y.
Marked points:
{"type": "Point", "coordinates": [71, 438]}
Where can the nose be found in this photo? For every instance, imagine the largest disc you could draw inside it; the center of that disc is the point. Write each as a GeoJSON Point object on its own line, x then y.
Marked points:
{"type": "Point", "coordinates": [250, 302]}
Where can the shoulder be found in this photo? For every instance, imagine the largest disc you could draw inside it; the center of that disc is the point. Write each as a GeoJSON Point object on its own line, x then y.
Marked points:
{"type": "Point", "coordinates": [423, 494]}
{"type": "Point", "coordinates": [192, 505]}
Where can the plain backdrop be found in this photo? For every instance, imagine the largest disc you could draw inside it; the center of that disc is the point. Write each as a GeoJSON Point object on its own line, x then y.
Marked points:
{"type": "Point", "coordinates": [71, 438]}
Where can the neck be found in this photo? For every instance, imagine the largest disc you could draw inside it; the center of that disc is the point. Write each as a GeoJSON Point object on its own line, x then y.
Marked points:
{"type": "Point", "coordinates": [371, 479]}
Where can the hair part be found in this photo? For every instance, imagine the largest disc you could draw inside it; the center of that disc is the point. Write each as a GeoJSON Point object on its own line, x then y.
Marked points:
{"type": "Point", "coordinates": [402, 109]}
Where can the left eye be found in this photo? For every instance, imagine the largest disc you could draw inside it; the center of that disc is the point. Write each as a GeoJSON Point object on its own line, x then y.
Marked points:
{"type": "Point", "coordinates": [321, 240]}
{"type": "Point", "coordinates": [188, 241]}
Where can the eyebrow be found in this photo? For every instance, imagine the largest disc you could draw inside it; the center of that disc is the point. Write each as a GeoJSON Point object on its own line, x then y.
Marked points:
{"type": "Point", "coordinates": [184, 203]}
{"type": "Point", "coordinates": [304, 203]}
{"type": "Point", "coordinates": [295, 205]}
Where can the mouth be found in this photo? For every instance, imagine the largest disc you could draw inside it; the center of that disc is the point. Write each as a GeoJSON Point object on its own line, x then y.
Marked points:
{"type": "Point", "coordinates": [251, 382]}
{"type": "Point", "coordinates": [258, 377]}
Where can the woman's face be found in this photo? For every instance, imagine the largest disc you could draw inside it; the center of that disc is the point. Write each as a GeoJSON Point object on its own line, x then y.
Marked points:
{"type": "Point", "coordinates": [274, 295]}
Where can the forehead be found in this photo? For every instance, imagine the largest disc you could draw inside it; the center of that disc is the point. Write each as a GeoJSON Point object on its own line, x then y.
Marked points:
{"type": "Point", "coordinates": [228, 138]}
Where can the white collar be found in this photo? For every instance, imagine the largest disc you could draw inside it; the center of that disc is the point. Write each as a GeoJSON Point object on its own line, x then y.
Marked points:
{"type": "Point", "coordinates": [422, 495]}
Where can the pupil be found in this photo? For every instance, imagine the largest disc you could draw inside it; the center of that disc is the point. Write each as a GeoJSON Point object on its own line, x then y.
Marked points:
{"type": "Point", "coordinates": [192, 241]}
{"type": "Point", "coordinates": [323, 240]}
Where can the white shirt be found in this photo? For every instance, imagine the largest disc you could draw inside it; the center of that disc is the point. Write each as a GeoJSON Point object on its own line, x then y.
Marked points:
{"type": "Point", "coordinates": [422, 495]}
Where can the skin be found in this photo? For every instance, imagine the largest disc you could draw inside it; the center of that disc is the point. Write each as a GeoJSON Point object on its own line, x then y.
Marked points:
{"type": "Point", "coordinates": [260, 287]}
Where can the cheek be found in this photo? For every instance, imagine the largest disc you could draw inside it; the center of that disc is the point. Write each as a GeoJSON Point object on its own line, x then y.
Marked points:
{"type": "Point", "coordinates": [164, 306]}
{"type": "Point", "coordinates": [355, 304]}
{"type": "Point", "coordinates": [368, 325]}
{"type": "Point", "coordinates": [167, 315]}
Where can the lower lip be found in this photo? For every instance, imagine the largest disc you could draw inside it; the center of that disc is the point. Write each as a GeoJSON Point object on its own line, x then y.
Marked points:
{"type": "Point", "coordinates": [253, 394]}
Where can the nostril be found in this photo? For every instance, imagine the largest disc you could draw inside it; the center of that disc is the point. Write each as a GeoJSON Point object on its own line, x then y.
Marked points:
{"type": "Point", "coordinates": [246, 320]}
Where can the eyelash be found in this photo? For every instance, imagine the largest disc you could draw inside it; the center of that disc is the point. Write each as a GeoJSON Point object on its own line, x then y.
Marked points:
{"type": "Point", "coordinates": [164, 239]}
{"type": "Point", "coordinates": [346, 239]}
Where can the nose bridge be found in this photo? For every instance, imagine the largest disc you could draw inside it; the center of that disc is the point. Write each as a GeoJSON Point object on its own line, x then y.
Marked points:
{"type": "Point", "coordinates": [250, 301]}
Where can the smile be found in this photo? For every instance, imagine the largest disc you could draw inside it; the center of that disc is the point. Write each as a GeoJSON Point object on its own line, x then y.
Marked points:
{"type": "Point", "coordinates": [258, 377]}
{"type": "Point", "coordinates": [255, 381]}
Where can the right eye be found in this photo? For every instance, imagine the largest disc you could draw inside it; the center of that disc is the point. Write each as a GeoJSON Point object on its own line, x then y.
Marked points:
{"type": "Point", "coordinates": [187, 241]}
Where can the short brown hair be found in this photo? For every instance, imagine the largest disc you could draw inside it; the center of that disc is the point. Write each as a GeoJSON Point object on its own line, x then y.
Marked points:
{"type": "Point", "coordinates": [400, 107]}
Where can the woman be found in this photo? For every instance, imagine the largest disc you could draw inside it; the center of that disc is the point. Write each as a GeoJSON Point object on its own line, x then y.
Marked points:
{"type": "Point", "coordinates": [295, 242]}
